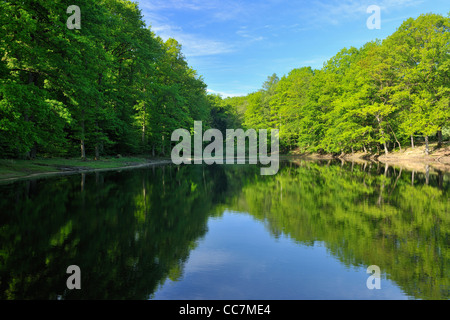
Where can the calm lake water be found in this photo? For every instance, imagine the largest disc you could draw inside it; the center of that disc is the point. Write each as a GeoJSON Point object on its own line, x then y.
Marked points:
{"type": "Point", "coordinates": [226, 232]}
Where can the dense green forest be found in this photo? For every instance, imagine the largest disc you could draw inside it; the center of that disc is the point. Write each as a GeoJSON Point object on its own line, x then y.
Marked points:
{"type": "Point", "coordinates": [114, 87]}
{"type": "Point", "coordinates": [110, 87]}
{"type": "Point", "coordinates": [385, 95]}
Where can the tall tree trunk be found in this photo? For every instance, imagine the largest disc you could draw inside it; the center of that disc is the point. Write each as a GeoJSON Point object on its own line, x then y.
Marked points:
{"type": "Point", "coordinates": [97, 152]}
{"type": "Point", "coordinates": [427, 146]}
{"type": "Point", "coordinates": [97, 107]}
{"type": "Point", "coordinates": [439, 136]}
{"type": "Point", "coordinates": [379, 119]}
{"type": "Point", "coordinates": [385, 148]}
{"type": "Point", "coordinates": [143, 132]}
{"type": "Point", "coordinates": [83, 147]}
{"type": "Point", "coordinates": [83, 150]}
{"type": "Point", "coordinates": [395, 137]}
{"type": "Point", "coordinates": [33, 151]}
{"type": "Point", "coordinates": [30, 154]}
{"type": "Point", "coordinates": [412, 141]}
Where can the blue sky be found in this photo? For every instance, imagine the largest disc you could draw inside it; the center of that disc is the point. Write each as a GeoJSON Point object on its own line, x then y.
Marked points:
{"type": "Point", "coordinates": [236, 44]}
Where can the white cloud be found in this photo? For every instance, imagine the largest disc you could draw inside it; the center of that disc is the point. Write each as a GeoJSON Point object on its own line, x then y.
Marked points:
{"type": "Point", "coordinates": [193, 45]}
{"type": "Point", "coordinates": [227, 95]}
{"type": "Point", "coordinates": [242, 32]}
{"type": "Point", "coordinates": [218, 10]}
{"type": "Point", "coordinates": [336, 11]}
{"type": "Point", "coordinates": [394, 4]}
{"type": "Point", "coordinates": [157, 5]}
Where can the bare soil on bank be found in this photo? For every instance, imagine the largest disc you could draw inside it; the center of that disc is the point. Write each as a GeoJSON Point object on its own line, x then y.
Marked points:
{"type": "Point", "coordinates": [413, 159]}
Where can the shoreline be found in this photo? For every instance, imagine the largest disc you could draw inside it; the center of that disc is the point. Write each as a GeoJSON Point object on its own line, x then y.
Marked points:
{"type": "Point", "coordinates": [14, 170]}
{"type": "Point", "coordinates": [409, 159]}
{"type": "Point", "coordinates": [61, 170]}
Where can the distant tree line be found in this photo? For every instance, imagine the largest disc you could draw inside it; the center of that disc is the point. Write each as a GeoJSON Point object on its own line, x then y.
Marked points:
{"type": "Point", "coordinates": [384, 96]}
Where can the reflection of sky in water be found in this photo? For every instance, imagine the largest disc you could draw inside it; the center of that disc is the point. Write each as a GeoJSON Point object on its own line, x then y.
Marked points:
{"type": "Point", "coordinates": [130, 231]}
{"type": "Point", "coordinates": [240, 259]}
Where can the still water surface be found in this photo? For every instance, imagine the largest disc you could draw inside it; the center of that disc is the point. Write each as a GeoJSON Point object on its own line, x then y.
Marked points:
{"type": "Point", "coordinates": [225, 232]}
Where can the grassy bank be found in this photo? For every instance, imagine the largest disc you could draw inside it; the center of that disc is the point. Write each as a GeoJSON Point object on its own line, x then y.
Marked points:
{"type": "Point", "coordinates": [13, 169]}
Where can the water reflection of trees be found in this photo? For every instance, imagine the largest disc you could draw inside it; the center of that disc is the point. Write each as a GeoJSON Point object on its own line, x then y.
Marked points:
{"type": "Point", "coordinates": [131, 231]}
{"type": "Point", "coordinates": [365, 214]}
{"type": "Point", "coordinates": [127, 232]}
